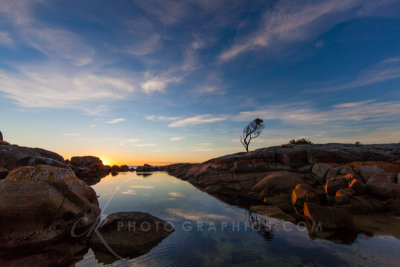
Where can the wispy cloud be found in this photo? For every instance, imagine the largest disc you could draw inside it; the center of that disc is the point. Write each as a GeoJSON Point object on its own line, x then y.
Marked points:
{"type": "Point", "coordinates": [54, 87]}
{"type": "Point", "coordinates": [300, 113]}
{"type": "Point", "coordinates": [195, 120]}
{"type": "Point", "coordinates": [129, 192]}
{"type": "Point", "coordinates": [290, 22]}
{"type": "Point", "coordinates": [5, 39]}
{"type": "Point", "coordinates": [385, 70]}
{"type": "Point", "coordinates": [176, 194]}
{"type": "Point", "coordinates": [157, 83]}
{"type": "Point", "coordinates": [177, 138]}
{"type": "Point", "coordinates": [142, 186]}
{"type": "Point", "coordinates": [145, 47]}
{"type": "Point", "coordinates": [161, 118]}
{"type": "Point", "coordinates": [133, 140]}
{"type": "Point", "coordinates": [72, 134]}
{"type": "Point", "coordinates": [197, 216]}
{"type": "Point", "coordinates": [303, 113]}
{"type": "Point", "coordinates": [115, 121]}
{"type": "Point", "coordinates": [144, 145]}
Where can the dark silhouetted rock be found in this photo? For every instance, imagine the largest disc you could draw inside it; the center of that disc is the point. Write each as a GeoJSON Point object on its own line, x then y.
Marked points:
{"type": "Point", "coordinates": [89, 169]}
{"type": "Point", "coordinates": [147, 168]}
{"type": "Point", "coordinates": [41, 204]}
{"type": "Point", "coordinates": [124, 168]}
{"type": "Point", "coordinates": [128, 234]}
{"type": "Point", "coordinates": [12, 157]}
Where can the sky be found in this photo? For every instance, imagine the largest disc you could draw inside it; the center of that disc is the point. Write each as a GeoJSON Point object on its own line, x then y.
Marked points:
{"type": "Point", "coordinates": [162, 81]}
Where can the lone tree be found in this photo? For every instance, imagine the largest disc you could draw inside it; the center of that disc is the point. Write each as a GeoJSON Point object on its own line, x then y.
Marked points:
{"type": "Point", "coordinates": [251, 131]}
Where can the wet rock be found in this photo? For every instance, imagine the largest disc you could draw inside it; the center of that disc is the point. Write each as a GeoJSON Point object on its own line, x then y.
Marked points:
{"type": "Point", "coordinates": [271, 211]}
{"type": "Point", "coordinates": [40, 204]}
{"type": "Point", "coordinates": [328, 217]}
{"type": "Point", "coordinates": [278, 182]}
{"type": "Point", "coordinates": [128, 235]}
{"type": "Point", "coordinates": [299, 194]}
{"type": "Point", "coordinates": [3, 173]}
{"type": "Point", "coordinates": [334, 184]}
{"type": "Point", "coordinates": [320, 171]}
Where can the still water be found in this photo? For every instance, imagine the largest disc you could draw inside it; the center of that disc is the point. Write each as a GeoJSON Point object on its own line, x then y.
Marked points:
{"type": "Point", "coordinates": [211, 232]}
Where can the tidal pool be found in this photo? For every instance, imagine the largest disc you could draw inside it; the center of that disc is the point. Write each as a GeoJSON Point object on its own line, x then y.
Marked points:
{"type": "Point", "coordinates": [211, 232]}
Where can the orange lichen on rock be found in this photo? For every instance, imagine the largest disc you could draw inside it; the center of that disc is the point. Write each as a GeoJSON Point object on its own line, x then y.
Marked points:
{"type": "Point", "coordinates": [40, 173]}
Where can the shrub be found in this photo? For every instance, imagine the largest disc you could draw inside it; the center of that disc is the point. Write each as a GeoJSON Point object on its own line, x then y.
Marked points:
{"type": "Point", "coordinates": [301, 141]}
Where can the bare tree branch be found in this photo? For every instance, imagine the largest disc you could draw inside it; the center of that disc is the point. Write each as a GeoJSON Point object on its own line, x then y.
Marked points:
{"type": "Point", "coordinates": [251, 131]}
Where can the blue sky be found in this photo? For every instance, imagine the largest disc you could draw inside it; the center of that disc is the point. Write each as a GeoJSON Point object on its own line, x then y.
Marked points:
{"type": "Point", "coordinates": [168, 81]}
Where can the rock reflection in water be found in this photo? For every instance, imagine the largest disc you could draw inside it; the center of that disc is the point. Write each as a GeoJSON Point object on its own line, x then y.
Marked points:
{"type": "Point", "coordinates": [64, 253]}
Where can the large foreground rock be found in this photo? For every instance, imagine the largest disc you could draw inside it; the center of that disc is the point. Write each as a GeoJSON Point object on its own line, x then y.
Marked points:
{"type": "Point", "coordinates": [40, 204]}
{"type": "Point", "coordinates": [13, 157]}
{"type": "Point", "coordinates": [128, 235]}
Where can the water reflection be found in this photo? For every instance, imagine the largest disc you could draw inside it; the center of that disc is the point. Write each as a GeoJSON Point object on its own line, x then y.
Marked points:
{"type": "Point", "coordinates": [215, 231]}
{"type": "Point", "coordinates": [62, 253]}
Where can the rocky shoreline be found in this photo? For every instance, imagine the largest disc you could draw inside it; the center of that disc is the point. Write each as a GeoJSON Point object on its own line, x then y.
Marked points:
{"type": "Point", "coordinates": [49, 214]}
{"type": "Point", "coordinates": [324, 184]}
{"type": "Point", "coordinates": [44, 198]}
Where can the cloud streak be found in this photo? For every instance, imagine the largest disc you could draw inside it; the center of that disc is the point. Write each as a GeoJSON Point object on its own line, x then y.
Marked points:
{"type": "Point", "coordinates": [177, 138]}
{"type": "Point", "coordinates": [115, 121]}
{"type": "Point", "coordinates": [302, 113]}
{"type": "Point", "coordinates": [383, 71]}
{"type": "Point", "coordinates": [290, 22]}
{"type": "Point", "coordinates": [195, 120]}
